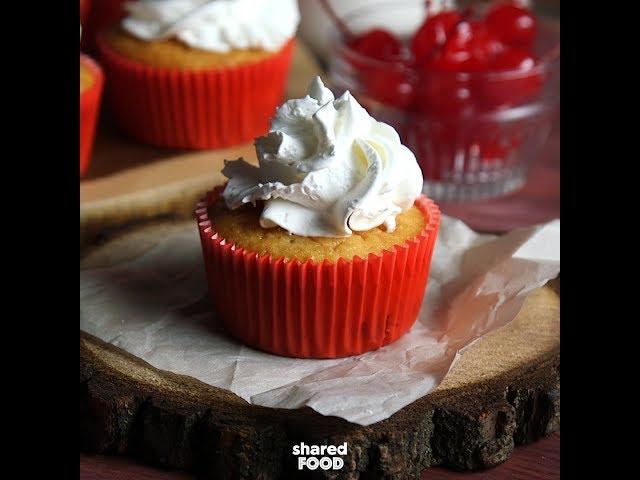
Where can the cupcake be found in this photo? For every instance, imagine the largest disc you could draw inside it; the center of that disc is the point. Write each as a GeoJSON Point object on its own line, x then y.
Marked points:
{"type": "Point", "coordinates": [198, 74]}
{"type": "Point", "coordinates": [91, 84]}
{"type": "Point", "coordinates": [323, 249]}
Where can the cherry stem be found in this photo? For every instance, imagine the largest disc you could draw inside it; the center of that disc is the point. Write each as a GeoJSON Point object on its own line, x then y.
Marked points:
{"type": "Point", "coordinates": [346, 31]}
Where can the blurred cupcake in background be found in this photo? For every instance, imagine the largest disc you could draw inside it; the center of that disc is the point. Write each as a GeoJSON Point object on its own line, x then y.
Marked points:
{"type": "Point", "coordinates": [198, 74]}
{"type": "Point", "coordinates": [91, 85]}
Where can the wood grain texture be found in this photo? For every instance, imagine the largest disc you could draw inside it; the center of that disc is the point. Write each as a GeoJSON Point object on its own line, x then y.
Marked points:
{"type": "Point", "coordinates": [539, 461]}
{"type": "Point", "coordinates": [169, 188]}
{"type": "Point", "coordinates": [503, 391]}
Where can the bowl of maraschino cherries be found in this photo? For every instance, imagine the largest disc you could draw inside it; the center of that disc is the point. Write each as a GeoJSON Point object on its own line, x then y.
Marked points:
{"type": "Point", "coordinates": [473, 91]}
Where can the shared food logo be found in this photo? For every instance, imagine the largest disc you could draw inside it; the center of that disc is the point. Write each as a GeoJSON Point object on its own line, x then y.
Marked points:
{"type": "Point", "coordinates": [324, 457]}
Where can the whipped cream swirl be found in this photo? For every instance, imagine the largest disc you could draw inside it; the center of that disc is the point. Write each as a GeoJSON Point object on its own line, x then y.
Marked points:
{"type": "Point", "coordinates": [218, 25]}
{"type": "Point", "coordinates": [327, 168]}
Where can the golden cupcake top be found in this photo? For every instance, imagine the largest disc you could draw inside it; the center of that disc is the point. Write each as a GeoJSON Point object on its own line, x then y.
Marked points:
{"type": "Point", "coordinates": [242, 227]}
{"type": "Point", "coordinates": [171, 53]}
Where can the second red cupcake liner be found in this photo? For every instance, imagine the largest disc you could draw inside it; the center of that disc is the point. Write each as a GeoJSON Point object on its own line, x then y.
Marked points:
{"type": "Point", "coordinates": [194, 109]}
{"type": "Point", "coordinates": [89, 110]}
{"type": "Point", "coordinates": [317, 309]}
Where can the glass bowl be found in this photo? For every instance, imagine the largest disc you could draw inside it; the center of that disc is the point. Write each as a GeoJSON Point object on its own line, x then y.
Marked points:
{"type": "Point", "coordinates": [474, 134]}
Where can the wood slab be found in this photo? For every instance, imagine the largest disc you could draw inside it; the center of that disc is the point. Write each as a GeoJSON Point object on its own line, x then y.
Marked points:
{"type": "Point", "coordinates": [504, 391]}
{"type": "Point", "coordinates": [128, 181]}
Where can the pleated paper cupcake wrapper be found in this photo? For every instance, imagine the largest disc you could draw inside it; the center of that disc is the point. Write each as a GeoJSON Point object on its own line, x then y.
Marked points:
{"type": "Point", "coordinates": [89, 109]}
{"type": "Point", "coordinates": [194, 109]}
{"type": "Point", "coordinates": [317, 309]}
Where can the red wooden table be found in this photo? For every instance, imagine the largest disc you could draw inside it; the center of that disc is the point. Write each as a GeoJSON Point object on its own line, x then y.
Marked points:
{"type": "Point", "coordinates": [538, 201]}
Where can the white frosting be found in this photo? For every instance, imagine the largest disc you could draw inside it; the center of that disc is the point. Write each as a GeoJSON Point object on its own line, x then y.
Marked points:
{"type": "Point", "coordinates": [436, 6]}
{"type": "Point", "coordinates": [218, 25]}
{"type": "Point", "coordinates": [327, 168]}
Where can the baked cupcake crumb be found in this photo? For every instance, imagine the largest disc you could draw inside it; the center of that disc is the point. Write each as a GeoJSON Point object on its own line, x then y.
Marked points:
{"type": "Point", "coordinates": [242, 227]}
{"type": "Point", "coordinates": [172, 53]}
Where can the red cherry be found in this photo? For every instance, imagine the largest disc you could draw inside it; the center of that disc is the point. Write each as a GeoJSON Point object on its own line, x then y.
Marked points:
{"type": "Point", "coordinates": [378, 44]}
{"type": "Point", "coordinates": [516, 26]}
{"type": "Point", "coordinates": [443, 93]}
{"type": "Point", "coordinates": [520, 82]}
{"type": "Point", "coordinates": [389, 83]}
{"type": "Point", "coordinates": [392, 86]}
{"type": "Point", "coordinates": [433, 33]}
{"type": "Point", "coordinates": [470, 48]}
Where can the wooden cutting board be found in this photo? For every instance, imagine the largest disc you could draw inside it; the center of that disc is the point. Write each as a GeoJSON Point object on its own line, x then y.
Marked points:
{"type": "Point", "coordinates": [504, 391]}
{"type": "Point", "coordinates": [128, 181]}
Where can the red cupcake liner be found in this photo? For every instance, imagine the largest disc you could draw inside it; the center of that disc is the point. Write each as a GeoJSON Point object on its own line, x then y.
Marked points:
{"type": "Point", "coordinates": [194, 109]}
{"type": "Point", "coordinates": [317, 309]}
{"type": "Point", "coordinates": [89, 109]}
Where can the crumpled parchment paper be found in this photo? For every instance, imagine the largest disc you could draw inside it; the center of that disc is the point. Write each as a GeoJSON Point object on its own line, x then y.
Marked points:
{"type": "Point", "coordinates": [156, 307]}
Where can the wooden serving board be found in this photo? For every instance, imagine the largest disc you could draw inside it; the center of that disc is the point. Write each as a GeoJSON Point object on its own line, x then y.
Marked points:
{"type": "Point", "coordinates": [128, 181]}
{"type": "Point", "coordinates": [504, 391]}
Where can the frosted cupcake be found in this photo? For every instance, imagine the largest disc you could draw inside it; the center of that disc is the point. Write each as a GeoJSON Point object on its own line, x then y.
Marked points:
{"type": "Point", "coordinates": [196, 73]}
{"type": "Point", "coordinates": [323, 250]}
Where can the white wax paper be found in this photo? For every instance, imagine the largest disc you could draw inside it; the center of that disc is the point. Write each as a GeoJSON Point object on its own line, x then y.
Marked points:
{"type": "Point", "coordinates": [156, 307]}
